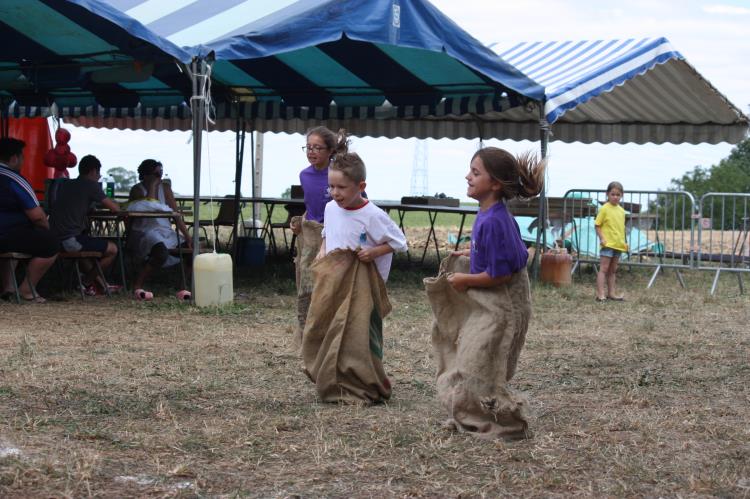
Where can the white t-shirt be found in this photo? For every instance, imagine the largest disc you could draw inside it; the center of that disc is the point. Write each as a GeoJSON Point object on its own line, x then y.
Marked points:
{"type": "Point", "coordinates": [365, 227]}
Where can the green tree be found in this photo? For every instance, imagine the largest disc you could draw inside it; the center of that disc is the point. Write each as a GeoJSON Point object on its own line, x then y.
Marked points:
{"type": "Point", "coordinates": [732, 174]}
{"type": "Point", "coordinates": [124, 179]}
{"type": "Point", "coordinates": [287, 194]}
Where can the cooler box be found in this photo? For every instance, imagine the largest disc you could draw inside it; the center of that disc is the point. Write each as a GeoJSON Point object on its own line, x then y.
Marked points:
{"type": "Point", "coordinates": [251, 251]}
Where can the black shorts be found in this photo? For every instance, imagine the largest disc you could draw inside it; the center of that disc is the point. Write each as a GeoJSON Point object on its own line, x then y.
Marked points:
{"type": "Point", "coordinates": [89, 243]}
{"type": "Point", "coordinates": [34, 241]}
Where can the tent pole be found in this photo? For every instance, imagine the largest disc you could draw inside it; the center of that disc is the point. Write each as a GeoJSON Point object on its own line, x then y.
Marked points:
{"type": "Point", "coordinates": [258, 168]}
{"type": "Point", "coordinates": [240, 152]}
{"type": "Point", "coordinates": [541, 228]}
{"type": "Point", "coordinates": [252, 180]}
{"type": "Point", "coordinates": [197, 107]}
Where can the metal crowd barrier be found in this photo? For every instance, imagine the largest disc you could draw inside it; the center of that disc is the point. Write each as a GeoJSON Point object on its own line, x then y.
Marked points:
{"type": "Point", "coordinates": [723, 241]}
{"type": "Point", "coordinates": [660, 229]}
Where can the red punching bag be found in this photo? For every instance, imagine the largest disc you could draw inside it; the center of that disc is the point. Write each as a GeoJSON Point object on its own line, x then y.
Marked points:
{"type": "Point", "coordinates": [35, 132]}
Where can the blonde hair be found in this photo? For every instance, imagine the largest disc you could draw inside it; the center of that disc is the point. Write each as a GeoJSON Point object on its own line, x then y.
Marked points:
{"type": "Point", "coordinates": [521, 176]}
{"type": "Point", "coordinates": [351, 165]}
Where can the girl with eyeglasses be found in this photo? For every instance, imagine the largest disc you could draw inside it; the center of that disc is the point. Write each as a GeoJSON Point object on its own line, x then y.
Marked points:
{"type": "Point", "coordinates": [321, 147]}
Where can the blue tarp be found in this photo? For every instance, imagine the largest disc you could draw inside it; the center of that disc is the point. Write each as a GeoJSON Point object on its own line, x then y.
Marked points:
{"type": "Point", "coordinates": [361, 52]}
{"type": "Point", "coordinates": [580, 234]}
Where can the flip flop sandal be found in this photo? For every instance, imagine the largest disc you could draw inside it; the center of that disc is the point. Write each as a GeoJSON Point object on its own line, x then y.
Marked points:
{"type": "Point", "coordinates": [143, 295]}
{"type": "Point", "coordinates": [616, 298]}
{"type": "Point", "coordinates": [184, 295]}
{"type": "Point", "coordinates": [34, 299]}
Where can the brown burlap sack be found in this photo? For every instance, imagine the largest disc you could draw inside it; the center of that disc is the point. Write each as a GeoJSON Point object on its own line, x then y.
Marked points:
{"type": "Point", "coordinates": [308, 245]}
{"type": "Point", "coordinates": [477, 337]}
{"type": "Point", "coordinates": [342, 344]}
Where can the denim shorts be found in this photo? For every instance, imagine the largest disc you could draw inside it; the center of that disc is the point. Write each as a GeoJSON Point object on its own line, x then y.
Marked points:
{"type": "Point", "coordinates": [609, 252]}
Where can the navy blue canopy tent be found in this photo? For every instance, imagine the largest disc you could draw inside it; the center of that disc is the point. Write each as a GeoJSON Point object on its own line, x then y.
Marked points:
{"type": "Point", "coordinates": [355, 59]}
{"type": "Point", "coordinates": [396, 68]}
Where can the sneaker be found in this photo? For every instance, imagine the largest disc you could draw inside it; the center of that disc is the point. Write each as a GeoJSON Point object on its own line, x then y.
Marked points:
{"type": "Point", "coordinates": [89, 289]}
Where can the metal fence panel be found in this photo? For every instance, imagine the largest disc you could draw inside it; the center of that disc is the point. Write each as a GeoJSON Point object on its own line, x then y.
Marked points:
{"type": "Point", "coordinates": [660, 227]}
{"type": "Point", "coordinates": [723, 240]}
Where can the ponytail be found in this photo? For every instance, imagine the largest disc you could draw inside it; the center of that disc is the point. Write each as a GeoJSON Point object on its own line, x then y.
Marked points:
{"type": "Point", "coordinates": [521, 176]}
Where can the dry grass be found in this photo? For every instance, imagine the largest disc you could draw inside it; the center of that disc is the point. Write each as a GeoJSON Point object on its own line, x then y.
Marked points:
{"type": "Point", "coordinates": [115, 398]}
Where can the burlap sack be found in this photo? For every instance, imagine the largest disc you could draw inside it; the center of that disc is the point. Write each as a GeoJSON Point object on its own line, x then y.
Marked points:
{"type": "Point", "coordinates": [477, 337]}
{"type": "Point", "coordinates": [308, 245]}
{"type": "Point", "coordinates": [342, 344]}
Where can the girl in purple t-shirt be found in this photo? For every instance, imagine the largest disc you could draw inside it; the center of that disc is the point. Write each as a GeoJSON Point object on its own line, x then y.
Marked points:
{"type": "Point", "coordinates": [497, 250]}
{"type": "Point", "coordinates": [322, 146]}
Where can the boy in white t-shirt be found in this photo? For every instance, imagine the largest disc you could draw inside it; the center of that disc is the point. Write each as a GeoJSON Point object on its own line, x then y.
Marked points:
{"type": "Point", "coordinates": [353, 222]}
{"type": "Point", "coordinates": [342, 343]}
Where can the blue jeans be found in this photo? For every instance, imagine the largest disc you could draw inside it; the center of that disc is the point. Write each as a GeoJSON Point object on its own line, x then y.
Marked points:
{"type": "Point", "coordinates": [609, 252]}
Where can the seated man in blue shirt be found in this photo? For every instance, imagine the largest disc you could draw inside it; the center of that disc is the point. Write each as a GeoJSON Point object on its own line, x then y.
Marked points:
{"type": "Point", "coordinates": [23, 223]}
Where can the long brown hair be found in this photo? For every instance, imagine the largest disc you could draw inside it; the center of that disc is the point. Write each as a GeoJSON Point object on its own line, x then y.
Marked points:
{"type": "Point", "coordinates": [521, 176]}
{"type": "Point", "coordinates": [337, 143]}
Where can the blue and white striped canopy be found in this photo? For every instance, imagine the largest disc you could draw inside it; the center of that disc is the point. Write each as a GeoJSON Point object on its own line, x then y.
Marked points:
{"type": "Point", "coordinates": [573, 73]}
{"type": "Point", "coordinates": [634, 90]}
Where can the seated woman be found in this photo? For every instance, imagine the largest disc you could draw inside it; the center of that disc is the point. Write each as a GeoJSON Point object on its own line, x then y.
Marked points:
{"type": "Point", "coordinates": [23, 224]}
{"type": "Point", "coordinates": [150, 239]}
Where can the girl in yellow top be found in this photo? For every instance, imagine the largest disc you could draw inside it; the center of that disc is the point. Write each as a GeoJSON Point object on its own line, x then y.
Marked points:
{"type": "Point", "coordinates": [610, 227]}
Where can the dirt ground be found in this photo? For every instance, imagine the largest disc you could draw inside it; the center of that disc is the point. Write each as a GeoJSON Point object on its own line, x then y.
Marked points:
{"type": "Point", "coordinates": [113, 398]}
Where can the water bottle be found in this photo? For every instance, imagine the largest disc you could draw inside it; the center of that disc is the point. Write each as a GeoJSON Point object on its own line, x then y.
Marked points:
{"type": "Point", "coordinates": [110, 190]}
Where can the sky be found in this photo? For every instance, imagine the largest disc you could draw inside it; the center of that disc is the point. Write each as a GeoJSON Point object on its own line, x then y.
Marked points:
{"type": "Point", "coordinates": [713, 36]}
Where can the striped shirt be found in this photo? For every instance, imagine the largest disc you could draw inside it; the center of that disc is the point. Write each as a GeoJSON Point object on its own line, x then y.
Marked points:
{"type": "Point", "coordinates": [16, 196]}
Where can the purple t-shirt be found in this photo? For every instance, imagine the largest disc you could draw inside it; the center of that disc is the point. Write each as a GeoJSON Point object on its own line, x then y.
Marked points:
{"type": "Point", "coordinates": [496, 244]}
{"type": "Point", "coordinates": [315, 186]}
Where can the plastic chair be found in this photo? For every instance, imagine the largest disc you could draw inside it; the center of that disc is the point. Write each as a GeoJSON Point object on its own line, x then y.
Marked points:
{"type": "Point", "coordinates": [291, 211]}
{"type": "Point", "coordinates": [11, 257]}
{"type": "Point", "coordinates": [76, 257]}
{"type": "Point", "coordinates": [225, 218]}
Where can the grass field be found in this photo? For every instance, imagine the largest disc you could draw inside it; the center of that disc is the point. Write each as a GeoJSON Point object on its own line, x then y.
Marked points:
{"type": "Point", "coordinates": [112, 398]}
{"type": "Point", "coordinates": [412, 219]}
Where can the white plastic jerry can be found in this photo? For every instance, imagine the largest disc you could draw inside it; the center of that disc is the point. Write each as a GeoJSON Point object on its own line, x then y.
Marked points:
{"type": "Point", "coordinates": [213, 279]}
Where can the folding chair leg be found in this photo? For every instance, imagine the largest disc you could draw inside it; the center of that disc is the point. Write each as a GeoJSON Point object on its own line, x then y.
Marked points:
{"type": "Point", "coordinates": [272, 242]}
{"type": "Point", "coordinates": [100, 272]}
{"type": "Point", "coordinates": [182, 271]}
{"type": "Point", "coordinates": [12, 272]}
{"type": "Point", "coordinates": [78, 276]}
{"type": "Point", "coordinates": [286, 243]}
{"type": "Point", "coordinates": [31, 286]}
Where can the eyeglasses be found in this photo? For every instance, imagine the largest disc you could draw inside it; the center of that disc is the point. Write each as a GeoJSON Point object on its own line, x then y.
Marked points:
{"type": "Point", "coordinates": [315, 148]}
